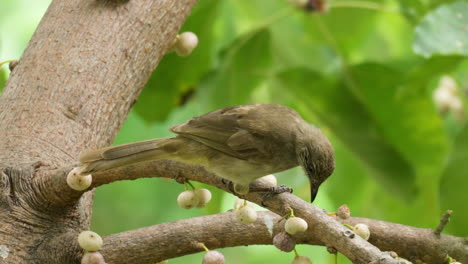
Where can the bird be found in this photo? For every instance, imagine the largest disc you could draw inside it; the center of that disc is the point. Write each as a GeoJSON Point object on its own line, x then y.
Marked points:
{"type": "Point", "coordinates": [239, 144]}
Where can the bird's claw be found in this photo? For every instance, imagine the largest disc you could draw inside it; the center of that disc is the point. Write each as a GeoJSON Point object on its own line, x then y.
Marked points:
{"type": "Point", "coordinates": [275, 190]}
{"type": "Point", "coordinates": [229, 185]}
{"type": "Point", "coordinates": [281, 189]}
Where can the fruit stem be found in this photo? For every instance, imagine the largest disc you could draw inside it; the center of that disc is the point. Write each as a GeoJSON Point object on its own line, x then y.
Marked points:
{"type": "Point", "coordinates": [5, 62]}
{"type": "Point", "coordinates": [291, 213]}
{"type": "Point", "coordinates": [189, 184]}
{"type": "Point", "coordinates": [202, 245]}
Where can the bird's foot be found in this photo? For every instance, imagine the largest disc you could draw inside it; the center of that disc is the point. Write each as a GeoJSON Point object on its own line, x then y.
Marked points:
{"type": "Point", "coordinates": [244, 189]}
{"type": "Point", "coordinates": [229, 185]}
{"type": "Point", "coordinates": [270, 191]}
{"type": "Point", "coordinates": [281, 189]}
{"type": "Point", "coordinates": [236, 188]}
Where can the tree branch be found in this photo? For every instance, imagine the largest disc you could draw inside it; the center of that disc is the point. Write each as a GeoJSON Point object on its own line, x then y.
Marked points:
{"type": "Point", "coordinates": [174, 239]}
{"type": "Point", "coordinates": [151, 244]}
{"type": "Point", "coordinates": [409, 242]}
{"type": "Point", "coordinates": [328, 230]}
{"type": "Point", "coordinates": [414, 243]}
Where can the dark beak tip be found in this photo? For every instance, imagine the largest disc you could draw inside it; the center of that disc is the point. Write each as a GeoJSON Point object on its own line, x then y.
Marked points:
{"type": "Point", "coordinates": [313, 192]}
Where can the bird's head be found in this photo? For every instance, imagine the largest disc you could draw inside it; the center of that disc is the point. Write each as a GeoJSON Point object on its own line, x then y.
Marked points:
{"type": "Point", "coordinates": [315, 154]}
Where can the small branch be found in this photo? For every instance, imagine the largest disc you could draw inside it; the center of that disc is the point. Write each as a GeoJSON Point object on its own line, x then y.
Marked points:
{"type": "Point", "coordinates": [55, 190]}
{"type": "Point", "coordinates": [444, 219]}
{"type": "Point", "coordinates": [413, 243]}
{"type": "Point", "coordinates": [409, 242]}
{"type": "Point", "coordinates": [330, 231]}
{"type": "Point", "coordinates": [174, 239]}
{"type": "Point", "coordinates": [52, 187]}
{"type": "Point", "coordinates": [161, 168]}
{"type": "Point", "coordinates": [150, 244]}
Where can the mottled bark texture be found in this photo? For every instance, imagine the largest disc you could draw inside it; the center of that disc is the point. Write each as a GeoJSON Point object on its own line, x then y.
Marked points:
{"type": "Point", "coordinates": [72, 89]}
{"type": "Point", "coordinates": [223, 230]}
{"type": "Point", "coordinates": [416, 244]}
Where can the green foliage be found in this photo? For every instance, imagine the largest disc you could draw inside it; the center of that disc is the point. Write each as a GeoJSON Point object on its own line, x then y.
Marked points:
{"type": "Point", "coordinates": [443, 31]}
{"type": "Point", "coordinates": [353, 125]}
{"type": "Point", "coordinates": [244, 65]}
{"type": "Point", "coordinates": [355, 72]}
{"type": "Point", "coordinates": [2, 79]}
{"type": "Point", "coordinates": [175, 76]}
{"type": "Point", "coordinates": [453, 184]}
{"type": "Point", "coordinates": [406, 117]}
{"type": "Point", "coordinates": [415, 9]}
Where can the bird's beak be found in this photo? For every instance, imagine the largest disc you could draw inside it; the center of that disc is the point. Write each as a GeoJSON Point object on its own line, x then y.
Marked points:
{"type": "Point", "coordinates": [313, 190]}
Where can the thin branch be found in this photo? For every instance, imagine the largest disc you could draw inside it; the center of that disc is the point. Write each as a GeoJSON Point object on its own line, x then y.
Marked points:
{"type": "Point", "coordinates": [150, 244]}
{"type": "Point", "coordinates": [444, 219]}
{"type": "Point", "coordinates": [328, 230]}
{"type": "Point", "coordinates": [174, 239]}
{"type": "Point", "coordinates": [53, 185]}
{"type": "Point", "coordinates": [409, 242]}
{"type": "Point", "coordinates": [413, 243]}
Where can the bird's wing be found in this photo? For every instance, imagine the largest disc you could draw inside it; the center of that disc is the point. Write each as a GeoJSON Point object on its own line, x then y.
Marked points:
{"type": "Point", "coordinates": [221, 130]}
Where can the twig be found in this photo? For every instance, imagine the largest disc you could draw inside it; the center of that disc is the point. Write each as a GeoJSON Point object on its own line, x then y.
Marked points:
{"type": "Point", "coordinates": [444, 219]}
{"type": "Point", "coordinates": [419, 245]}
{"type": "Point", "coordinates": [174, 239]}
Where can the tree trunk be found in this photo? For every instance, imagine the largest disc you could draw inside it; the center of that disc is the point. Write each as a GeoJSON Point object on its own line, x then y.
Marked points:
{"type": "Point", "coordinates": [72, 90]}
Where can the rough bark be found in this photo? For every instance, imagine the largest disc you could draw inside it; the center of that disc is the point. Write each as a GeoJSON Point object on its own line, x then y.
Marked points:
{"type": "Point", "coordinates": [413, 243]}
{"type": "Point", "coordinates": [71, 90]}
{"type": "Point", "coordinates": [416, 244]}
{"type": "Point", "coordinates": [150, 244]}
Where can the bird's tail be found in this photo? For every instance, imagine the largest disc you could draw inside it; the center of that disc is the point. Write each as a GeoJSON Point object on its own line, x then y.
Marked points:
{"type": "Point", "coordinates": [122, 155]}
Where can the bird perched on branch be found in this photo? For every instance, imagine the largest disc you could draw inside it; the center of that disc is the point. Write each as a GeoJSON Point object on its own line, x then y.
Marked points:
{"type": "Point", "coordinates": [238, 143]}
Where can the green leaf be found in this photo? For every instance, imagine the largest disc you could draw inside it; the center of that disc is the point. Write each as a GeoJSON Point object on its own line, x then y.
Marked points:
{"type": "Point", "coordinates": [453, 186]}
{"type": "Point", "coordinates": [422, 74]}
{"type": "Point", "coordinates": [349, 174]}
{"type": "Point", "coordinates": [443, 31]}
{"type": "Point", "coordinates": [320, 43]}
{"type": "Point", "coordinates": [415, 9]}
{"type": "Point", "coordinates": [371, 40]}
{"type": "Point", "coordinates": [3, 78]}
{"type": "Point", "coordinates": [406, 118]}
{"type": "Point", "coordinates": [176, 77]}
{"type": "Point", "coordinates": [244, 66]}
{"type": "Point", "coordinates": [308, 48]}
{"type": "Point", "coordinates": [347, 118]}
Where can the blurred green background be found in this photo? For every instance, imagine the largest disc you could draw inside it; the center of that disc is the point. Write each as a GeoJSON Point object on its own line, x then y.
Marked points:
{"type": "Point", "coordinates": [365, 72]}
